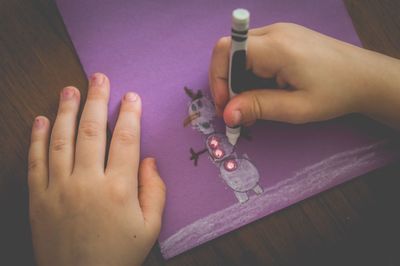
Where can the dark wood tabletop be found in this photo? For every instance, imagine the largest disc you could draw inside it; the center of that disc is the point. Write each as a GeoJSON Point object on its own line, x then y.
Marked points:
{"type": "Point", "coordinates": [356, 223]}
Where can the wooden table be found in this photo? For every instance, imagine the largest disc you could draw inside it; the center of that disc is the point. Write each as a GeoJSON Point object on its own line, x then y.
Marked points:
{"type": "Point", "coordinates": [354, 224]}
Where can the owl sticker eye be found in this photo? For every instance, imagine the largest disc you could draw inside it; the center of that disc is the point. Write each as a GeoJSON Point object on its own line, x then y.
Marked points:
{"type": "Point", "coordinates": [218, 153]}
{"type": "Point", "coordinates": [213, 142]}
{"type": "Point", "coordinates": [200, 104]}
{"type": "Point", "coordinates": [194, 108]}
{"type": "Point", "coordinates": [230, 165]}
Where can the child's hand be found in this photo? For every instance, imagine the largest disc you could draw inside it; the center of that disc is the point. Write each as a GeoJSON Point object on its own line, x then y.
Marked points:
{"type": "Point", "coordinates": [83, 212]}
{"type": "Point", "coordinates": [323, 78]}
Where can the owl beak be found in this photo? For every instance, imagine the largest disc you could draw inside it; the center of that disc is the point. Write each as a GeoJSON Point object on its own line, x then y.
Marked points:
{"type": "Point", "coordinates": [190, 118]}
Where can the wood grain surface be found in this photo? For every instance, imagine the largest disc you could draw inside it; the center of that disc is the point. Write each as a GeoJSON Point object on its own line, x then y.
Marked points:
{"type": "Point", "coordinates": [354, 224]}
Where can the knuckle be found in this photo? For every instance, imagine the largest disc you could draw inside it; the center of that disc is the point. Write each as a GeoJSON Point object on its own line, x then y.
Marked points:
{"type": "Point", "coordinates": [281, 32]}
{"type": "Point", "coordinates": [281, 39]}
{"type": "Point", "coordinates": [97, 94]}
{"type": "Point", "coordinates": [74, 199]}
{"type": "Point", "coordinates": [282, 26]}
{"type": "Point", "coordinates": [285, 37]}
{"type": "Point", "coordinates": [66, 195]}
{"type": "Point", "coordinates": [156, 185]}
{"type": "Point", "coordinates": [59, 144]}
{"type": "Point", "coordinates": [34, 164]}
{"type": "Point", "coordinates": [125, 136]}
{"type": "Point", "coordinates": [36, 138]}
{"type": "Point", "coordinates": [257, 108]}
{"type": "Point", "coordinates": [130, 110]}
{"type": "Point", "coordinates": [65, 109]}
{"type": "Point", "coordinates": [90, 129]}
{"type": "Point", "coordinates": [119, 192]}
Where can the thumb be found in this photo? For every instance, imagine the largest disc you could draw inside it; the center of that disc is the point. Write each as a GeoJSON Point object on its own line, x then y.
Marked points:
{"type": "Point", "coordinates": [151, 194]}
{"type": "Point", "coordinates": [275, 104]}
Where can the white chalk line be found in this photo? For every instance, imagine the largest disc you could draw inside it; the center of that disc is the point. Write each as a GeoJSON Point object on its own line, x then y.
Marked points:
{"type": "Point", "coordinates": [306, 182]}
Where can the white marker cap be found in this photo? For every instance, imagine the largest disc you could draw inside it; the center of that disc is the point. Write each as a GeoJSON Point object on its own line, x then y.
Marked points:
{"type": "Point", "coordinates": [240, 19]}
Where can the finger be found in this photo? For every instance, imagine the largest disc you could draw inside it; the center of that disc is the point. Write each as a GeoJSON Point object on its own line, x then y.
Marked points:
{"type": "Point", "coordinates": [259, 31]}
{"type": "Point", "coordinates": [264, 56]}
{"type": "Point", "coordinates": [37, 159]}
{"type": "Point", "coordinates": [263, 59]}
{"type": "Point", "coordinates": [275, 105]}
{"type": "Point", "coordinates": [62, 142]}
{"type": "Point", "coordinates": [218, 73]}
{"type": "Point", "coordinates": [91, 141]}
{"type": "Point", "coordinates": [151, 193]}
{"type": "Point", "coordinates": [125, 143]}
{"type": "Point", "coordinates": [266, 29]}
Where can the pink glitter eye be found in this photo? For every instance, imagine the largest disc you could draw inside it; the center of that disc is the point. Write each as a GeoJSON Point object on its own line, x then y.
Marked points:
{"type": "Point", "coordinates": [218, 153]}
{"type": "Point", "coordinates": [230, 165]}
{"type": "Point", "coordinates": [213, 142]}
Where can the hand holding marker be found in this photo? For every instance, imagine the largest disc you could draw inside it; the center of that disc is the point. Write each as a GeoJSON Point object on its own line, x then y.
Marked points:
{"type": "Point", "coordinates": [241, 79]}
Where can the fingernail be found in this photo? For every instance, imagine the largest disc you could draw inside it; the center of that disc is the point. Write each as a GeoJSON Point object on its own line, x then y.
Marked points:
{"type": "Point", "coordinates": [131, 97]}
{"type": "Point", "coordinates": [97, 79]}
{"type": "Point", "coordinates": [68, 93]}
{"type": "Point", "coordinates": [236, 117]}
{"type": "Point", "coordinates": [39, 122]}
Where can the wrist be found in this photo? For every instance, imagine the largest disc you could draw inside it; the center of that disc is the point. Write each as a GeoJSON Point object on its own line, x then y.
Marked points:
{"type": "Point", "coordinates": [381, 89]}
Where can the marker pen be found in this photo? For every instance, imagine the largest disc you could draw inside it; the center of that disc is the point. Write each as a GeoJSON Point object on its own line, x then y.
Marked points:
{"type": "Point", "coordinates": [237, 62]}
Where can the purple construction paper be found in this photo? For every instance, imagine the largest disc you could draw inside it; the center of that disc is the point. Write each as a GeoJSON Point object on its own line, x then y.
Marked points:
{"type": "Point", "coordinates": [156, 48]}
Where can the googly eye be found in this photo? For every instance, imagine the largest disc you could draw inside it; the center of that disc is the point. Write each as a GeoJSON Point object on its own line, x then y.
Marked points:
{"type": "Point", "coordinates": [218, 153]}
{"type": "Point", "coordinates": [213, 142]}
{"type": "Point", "coordinates": [230, 165]}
